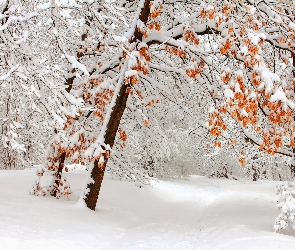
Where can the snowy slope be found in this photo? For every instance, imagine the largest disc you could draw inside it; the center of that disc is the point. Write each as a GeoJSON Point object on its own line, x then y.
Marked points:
{"type": "Point", "coordinates": [198, 214]}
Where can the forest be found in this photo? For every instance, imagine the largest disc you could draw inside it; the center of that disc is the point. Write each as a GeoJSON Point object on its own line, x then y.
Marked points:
{"type": "Point", "coordinates": [187, 103]}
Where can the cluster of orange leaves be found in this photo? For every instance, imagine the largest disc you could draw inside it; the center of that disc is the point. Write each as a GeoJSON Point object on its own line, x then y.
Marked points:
{"type": "Point", "coordinates": [217, 144]}
{"type": "Point", "coordinates": [225, 76]}
{"type": "Point", "coordinates": [144, 52]}
{"type": "Point", "coordinates": [193, 73]}
{"type": "Point", "coordinates": [122, 134]}
{"type": "Point", "coordinates": [242, 31]}
{"type": "Point", "coordinates": [156, 12]}
{"type": "Point", "coordinates": [253, 49]}
{"type": "Point", "coordinates": [134, 79]}
{"type": "Point", "coordinates": [250, 106]}
{"type": "Point", "coordinates": [255, 26]}
{"type": "Point", "coordinates": [141, 68]}
{"type": "Point", "coordinates": [69, 122]}
{"type": "Point", "coordinates": [178, 52]}
{"type": "Point", "coordinates": [58, 150]}
{"type": "Point", "coordinates": [209, 13]}
{"type": "Point", "coordinates": [256, 80]}
{"type": "Point", "coordinates": [96, 81]}
{"type": "Point", "coordinates": [271, 142]}
{"type": "Point", "coordinates": [225, 10]}
{"type": "Point", "coordinates": [242, 161]}
{"type": "Point", "coordinates": [216, 124]}
{"type": "Point", "coordinates": [226, 47]}
{"type": "Point", "coordinates": [131, 80]}
{"type": "Point", "coordinates": [154, 26]}
{"type": "Point", "coordinates": [123, 137]}
{"type": "Point", "coordinates": [152, 102]}
{"type": "Point", "coordinates": [189, 36]}
{"type": "Point", "coordinates": [278, 115]}
{"type": "Point", "coordinates": [101, 100]}
{"type": "Point", "coordinates": [98, 114]}
{"type": "Point", "coordinates": [81, 146]}
{"type": "Point", "coordinates": [240, 102]}
{"type": "Point", "coordinates": [136, 92]}
{"type": "Point", "coordinates": [250, 61]}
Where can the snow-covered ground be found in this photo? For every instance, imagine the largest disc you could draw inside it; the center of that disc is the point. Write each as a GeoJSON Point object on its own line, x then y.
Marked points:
{"type": "Point", "coordinates": [198, 214]}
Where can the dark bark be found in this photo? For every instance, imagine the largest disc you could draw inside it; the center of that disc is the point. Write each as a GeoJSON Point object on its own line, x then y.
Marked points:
{"type": "Point", "coordinates": [113, 124]}
{"type": "Point", "coordinates": [255, 175]}
{"type": "Point", "coordinates": [112, 127]}
{"type": "Point", "coordinates": [58, 175]}
{"type": "Point", "coordinates": [94, 188]}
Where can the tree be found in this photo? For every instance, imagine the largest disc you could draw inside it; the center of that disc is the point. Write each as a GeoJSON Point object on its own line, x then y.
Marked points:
{"type": "Point", "coordinates": [82, 34]}
{"type": "Point", "coordinates": [232, 49]}
{"type": "Point", "coordinates": [24, 93]}
{"type": "Point", "coordinates": [233, 67]}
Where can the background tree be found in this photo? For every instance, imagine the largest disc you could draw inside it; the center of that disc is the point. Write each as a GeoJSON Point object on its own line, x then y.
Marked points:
{"type": "Point", "coordinates": [25, 116]}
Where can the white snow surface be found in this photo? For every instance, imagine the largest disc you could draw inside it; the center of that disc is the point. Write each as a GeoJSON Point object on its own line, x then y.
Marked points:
{"type": "Point", "coordinates": [198, 214]}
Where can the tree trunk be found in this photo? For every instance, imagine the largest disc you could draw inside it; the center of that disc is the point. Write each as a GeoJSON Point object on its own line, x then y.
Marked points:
{"type": "Point", "coordinates": [113, 124]}
{"type": "Point", "coordinates": [112, 127]}
{"type": "Point", "coordinates": [58, 174]}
